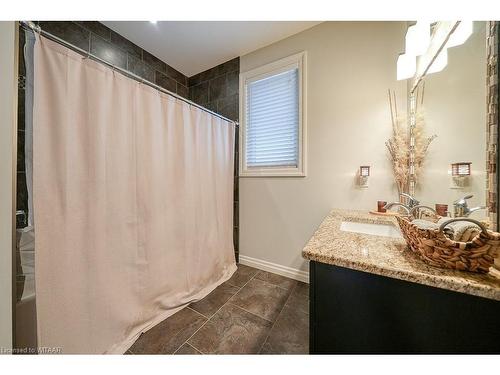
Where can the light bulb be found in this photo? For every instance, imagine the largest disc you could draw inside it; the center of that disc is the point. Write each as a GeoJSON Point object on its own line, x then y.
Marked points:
{"type": "Point", "coordinates": [406, 66]}
{"type": "Point", "coordinates": [417, 39]}
{"type": "Point", "coordinates": [461, 34]}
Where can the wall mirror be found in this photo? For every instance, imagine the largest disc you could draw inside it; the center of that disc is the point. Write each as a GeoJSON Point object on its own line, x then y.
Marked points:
{"type": "Point", "coordinates": [448, 67]}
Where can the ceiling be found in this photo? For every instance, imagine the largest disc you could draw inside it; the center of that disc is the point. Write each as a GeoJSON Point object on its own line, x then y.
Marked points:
{"type": "Point", "coordinates": [194, 46]}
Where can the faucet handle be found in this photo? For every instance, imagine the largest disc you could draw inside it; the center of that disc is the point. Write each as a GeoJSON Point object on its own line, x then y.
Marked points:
{"type": "Point", "coordinates": [463, 200]}
{"type": "Point", "coordinates": [412, 202]}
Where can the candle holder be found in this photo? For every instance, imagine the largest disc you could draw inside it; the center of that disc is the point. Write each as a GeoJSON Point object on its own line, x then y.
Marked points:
{"type": "Point", "coordinates": [381, 206]}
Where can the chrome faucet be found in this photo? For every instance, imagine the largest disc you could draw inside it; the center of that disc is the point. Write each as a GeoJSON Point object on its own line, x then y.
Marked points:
{"type": "Point", "coordinates": [390, 205]}
{"type": "Point", "coordinates": [461, 209]}
{"type": "Point", "coordinates": [412, 202]}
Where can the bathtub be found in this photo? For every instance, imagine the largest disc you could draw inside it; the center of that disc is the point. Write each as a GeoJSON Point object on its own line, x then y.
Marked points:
{"type": "Point", "coordinates": [26, 336]}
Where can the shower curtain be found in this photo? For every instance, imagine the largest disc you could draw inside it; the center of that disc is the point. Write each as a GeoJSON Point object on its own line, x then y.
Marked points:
{"type": "Point", "coordinates": [133, 200]}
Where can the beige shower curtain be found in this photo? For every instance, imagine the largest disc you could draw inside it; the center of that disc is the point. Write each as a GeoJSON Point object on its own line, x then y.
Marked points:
{"type": "Point", "coordinates": [133, 201]}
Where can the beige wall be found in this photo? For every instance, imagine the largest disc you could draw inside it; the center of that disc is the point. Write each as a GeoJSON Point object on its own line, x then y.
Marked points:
{"type": "Point", "coordinates": [455, 110]}
{"type": "Point", "coordinates": [350, 67]}
{"type": "Point", "coordinates": [8, 110]}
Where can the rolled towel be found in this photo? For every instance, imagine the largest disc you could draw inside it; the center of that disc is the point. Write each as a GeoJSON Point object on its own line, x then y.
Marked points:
{"type": "Point", "coordinates": [425, 224]}
{"type": "Point", "coordinates": [462, 231]}
{"type": "Point", "coordinates": [469, 234]}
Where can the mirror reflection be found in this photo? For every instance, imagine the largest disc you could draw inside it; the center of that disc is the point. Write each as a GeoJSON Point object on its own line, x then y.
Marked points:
{"type": "Point", "coordinates": [451, 103]}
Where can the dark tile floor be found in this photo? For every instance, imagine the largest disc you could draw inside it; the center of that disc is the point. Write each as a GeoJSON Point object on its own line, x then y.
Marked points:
{"type": "Point", "coordinates": [254, 312]}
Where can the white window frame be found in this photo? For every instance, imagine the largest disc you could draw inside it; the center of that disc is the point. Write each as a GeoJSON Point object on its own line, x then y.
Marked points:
{"type": "Point", "coordinates": [295, 61]}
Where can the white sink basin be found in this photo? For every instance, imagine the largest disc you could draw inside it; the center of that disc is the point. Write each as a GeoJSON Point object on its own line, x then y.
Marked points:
{"type": "Point", "coordinates": [384, 230]}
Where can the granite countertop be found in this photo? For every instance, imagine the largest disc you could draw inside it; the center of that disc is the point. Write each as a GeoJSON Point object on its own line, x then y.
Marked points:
{"type": "Point", "coordinates": [389, 257]}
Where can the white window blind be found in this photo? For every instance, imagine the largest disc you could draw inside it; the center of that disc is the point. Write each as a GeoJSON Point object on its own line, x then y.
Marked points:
{"type": "Point", "coordinates": [272, 121]}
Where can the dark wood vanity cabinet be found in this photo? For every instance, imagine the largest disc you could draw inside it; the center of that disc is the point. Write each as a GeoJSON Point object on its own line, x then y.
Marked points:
{"type": "Point", "coordinates": [359, 312]}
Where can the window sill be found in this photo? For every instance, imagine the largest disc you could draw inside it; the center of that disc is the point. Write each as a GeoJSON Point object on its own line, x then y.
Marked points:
{"type": "Point", "coordinates": [273, 173]}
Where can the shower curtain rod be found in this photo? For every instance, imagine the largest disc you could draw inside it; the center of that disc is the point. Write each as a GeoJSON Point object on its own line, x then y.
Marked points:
{"type": "Point", "coordinates": [36, 28]}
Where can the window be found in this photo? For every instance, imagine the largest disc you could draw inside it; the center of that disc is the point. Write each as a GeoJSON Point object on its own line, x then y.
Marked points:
{"type": "Point", "coordinates": [272, 139]}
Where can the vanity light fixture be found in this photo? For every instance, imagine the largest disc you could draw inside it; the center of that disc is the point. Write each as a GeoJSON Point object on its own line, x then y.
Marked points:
{"type": "Point", "coordinates": [461, 34]}
{"type": "Point", "coordinates": [460, 169]}
{"type": "Point", "coordinates": [364, 173]}
{"type": "Point", "coordinates": [417, 41]}
{"type": "Point", "coordinates": [417, 38]}
{"type": "Point", "coordinates": [460, 173]}
{"type": "Point", "coordinates": [406, 66]}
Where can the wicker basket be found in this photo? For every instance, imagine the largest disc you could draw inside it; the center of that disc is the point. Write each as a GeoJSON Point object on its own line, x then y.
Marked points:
{"type": "Point", "coordinates": [436, 249]}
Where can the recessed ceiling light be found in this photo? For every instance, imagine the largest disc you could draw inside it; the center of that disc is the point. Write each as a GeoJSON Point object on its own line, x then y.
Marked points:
{"type": "Point", "coordinates": [153, 22]}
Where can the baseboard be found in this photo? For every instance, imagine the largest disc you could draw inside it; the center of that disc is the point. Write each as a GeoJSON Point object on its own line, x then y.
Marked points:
{"type": "Point", "coordinates": [278, 269]}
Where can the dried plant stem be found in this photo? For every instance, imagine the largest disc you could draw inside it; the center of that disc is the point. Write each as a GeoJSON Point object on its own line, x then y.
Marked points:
{"type": "Point", "coordinates": [399, 144]}
{"type": "Point", "coordinates": [390, 105]}
{"type": "Point", "coordinates": [395, 105]}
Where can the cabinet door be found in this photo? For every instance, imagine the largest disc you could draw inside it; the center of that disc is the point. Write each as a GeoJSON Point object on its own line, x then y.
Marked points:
{"type": "Point", "coordinates": [358, 312]}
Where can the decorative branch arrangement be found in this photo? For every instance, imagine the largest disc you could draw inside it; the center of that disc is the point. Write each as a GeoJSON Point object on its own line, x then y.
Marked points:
{"type": "Point", "coordinates": [399, 145]}
{"type": "Point", "coordinates": [421, 142]}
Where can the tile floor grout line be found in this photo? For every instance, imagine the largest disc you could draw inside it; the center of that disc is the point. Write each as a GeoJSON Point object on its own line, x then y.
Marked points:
{"type": "Point", "coordinates": [281, 287]}
{"type": "Point", "coordinates": [186, 342]}
{"type": "Point", "coordinates": [199, 313]}
{"type": "Point", "coordinates": [244, 285]}
{"type": "Point", "coordinates": [277, 317]}
{"type": "Point", "coordinates": [187, 345]}
{"type": "Point", "coordinates": [235, 286]}
{"type": "Point", "coordinates": [274, 285]}
{"type": "Point", "coordinates": [255, 274]}
{"type": "Point", "coordinates": [254, 314]}
{"type": "Point", "coordinates": [267, 283]}
{"type": "Point", "coordinates": [228, 302]}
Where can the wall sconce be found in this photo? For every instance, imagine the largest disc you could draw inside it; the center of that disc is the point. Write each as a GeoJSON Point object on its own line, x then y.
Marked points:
{"type": "Point", "coordinates": [420, 42]}
{"type": "Point", "coordinates": [460, 173]}
{"type": "Point", "coordinates": [364, 173]}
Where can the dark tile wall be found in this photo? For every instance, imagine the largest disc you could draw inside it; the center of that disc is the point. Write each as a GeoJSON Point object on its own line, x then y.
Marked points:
{"type": "Point", "coordinates": [98, 39]}
{"type": "Point", "coordinates": [22, 191]}
{"type": "Point", "coordinates": [218, 90]}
